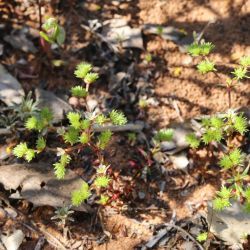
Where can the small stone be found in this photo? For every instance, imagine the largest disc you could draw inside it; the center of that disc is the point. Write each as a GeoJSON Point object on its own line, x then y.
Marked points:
{"type": "Point", "coordinates": [5, 152]}
{"type": "Point", "coordinates": [74, 101]}
{"type": "Point", "coordinates": [167, 145]}
{"type": "Point", "coordinates": [13, 241]}
{"type": "Point", "coordinates": [21, 42]}
{"type": "Point", "coordinates": [124, 6]}
{"type": "Point", "coordinates": [187, 60]}
{"type": "Point", "coordinates": [58, 106]}
{"type": "Point", "coordinates": [141, 195]}
{"type": "Point", "coordinates": [115, 3]}
{"type": "Point", "coordinates": [160, 157]}
{"type": "Point", "coordinates": [92, 104]}
{"type": "Point", "coordinates": [180, 161]}
{"type": "Point", "coordinates": [11, 212]}
{"type": "Point", "coordinates": [11, 91]}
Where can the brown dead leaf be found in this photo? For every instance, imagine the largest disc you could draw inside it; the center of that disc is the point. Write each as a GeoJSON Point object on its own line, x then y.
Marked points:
{"type": "Point", "coordinates": [40, 186]}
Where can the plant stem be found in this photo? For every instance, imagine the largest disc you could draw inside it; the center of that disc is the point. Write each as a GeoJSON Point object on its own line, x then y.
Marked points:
{"type": "Point", "coordinates": [229, 97]}
{"type": "Point", "coordinates": [40, 14]}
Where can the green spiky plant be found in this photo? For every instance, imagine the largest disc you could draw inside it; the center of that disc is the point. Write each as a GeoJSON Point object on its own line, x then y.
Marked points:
{"type": "Point", "coordinates": [78, 135]}
{"type": "Point", "coordinates": [223, 128]}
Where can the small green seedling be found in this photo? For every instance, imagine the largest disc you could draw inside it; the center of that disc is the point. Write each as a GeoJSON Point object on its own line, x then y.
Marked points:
{"type": "Point", "coordinates": [202, 237]}
{"type": "Point", "coordinates": [63, 215]}
{"type": "Point", "coordinates": [53, 32]}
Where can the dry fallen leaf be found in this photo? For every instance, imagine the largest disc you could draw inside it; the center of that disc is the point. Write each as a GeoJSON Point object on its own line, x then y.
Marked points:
{"type": "Point", "coordinates": [40, 186]}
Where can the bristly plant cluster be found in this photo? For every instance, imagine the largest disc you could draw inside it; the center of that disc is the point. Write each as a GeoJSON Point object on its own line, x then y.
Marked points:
{"type": "Point", "coordinates": [79, 134]}
{"type": "Point", "coordinates": [219, 129]}
{"type": "Point", "coordinates": [223, 128]}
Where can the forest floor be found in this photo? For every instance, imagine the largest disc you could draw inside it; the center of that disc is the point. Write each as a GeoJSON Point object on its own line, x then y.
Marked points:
{"type": "Point", "coordinates": [176, 94]}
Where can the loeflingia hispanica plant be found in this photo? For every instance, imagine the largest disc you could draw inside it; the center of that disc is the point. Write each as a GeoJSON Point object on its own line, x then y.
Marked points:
{"type": "Point", "coordinates": [79, 134]}
{"type": "Point", "coordinates": [223, 128]}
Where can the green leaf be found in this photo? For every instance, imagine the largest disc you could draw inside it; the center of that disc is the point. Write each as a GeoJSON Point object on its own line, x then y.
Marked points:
{"type": "Point", "coordinates": [245, 61]}
{"type": "Point", "coordinates": [60, 170]}
{"type": "Point", "coordinates": [84, 138]}
{"type": "Point", "coordinates": [247, 194]}
{"type": "Point", "coordinates": [31, 123]}
{"type": "Point", "coordinates": [212, 135]}
{"type": "Point", "coordinates": [71, 136]}
{"type": "Point", "coordinates": [49, 24]}
{"type": "Point", "coordinates": [220, 203]}
{"type": "Point", "coordinates": [202, 49]}
{"type": "Point", "coordinates": [194, 49]}
{"type": "Point", "coordinates": [217, 122]}
{"type": "Point", "coordinates": [103, 199]}
{"type": "Point", "coordinates": [164, 135]}
{"type": "Point", "coordinates": [206, 48]}
{"type": "Point", "coordinates": [192, 140]}
{"type": "Point", "coordinates": [45, 37]}
{"type": "Point", "coordinates": [82, 69]}
{"type": "Point", "coordinates": [40, 143]}
{"type": "Point", "coordinates": [46, 114]}
{"type": "Point", "coordinates": [59, 167]}
{"type": "Point", "coordinates": [202, 237]}
{"type": "Point", "coordinates": [206, 66]}
{"type": "Point", "coordinates": [247, 206]}
{"type": "Point", "coordinates": [74, 119]}
{"type": "Point", "coordinates": [79, 196]}
{"type": "Point", "coordinates": [239, 73]}
{"type": "Point", "coordinates": [224, 193]}
{"type": "Point", "coordinates": [29, 155]}
{"type": "Point", "coordinates": [60, 38]}
{"type": "Point", "coordinates": [235, 158]}
{"type": "Point", "coordinates": [104, 139]}
{"type": "Point", "coordinates": [225, 162]}
{"type": "Point", "coordinates": [206, 122]}
{"type": "Point", "coordinates": [101, 119]}
{"type": "Point", "coordinates": [20, 150]}
{"type": "Point", "coordinates": [102, 181]}
{"type": "Point", "coordinates": [65, 159]}
{"type": "Point", "coordinates": [159, 30]}
{"type": "Point", "coordinates": [85, 124]}
{"type": "Point", "coordinates": [79, 91]}
{"type": "Point", "coordinates": [240, 124]}
{"type": "Point", "coordinates": [91, 77]}
{"type": "Point", "coordinates": [117, 118]}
